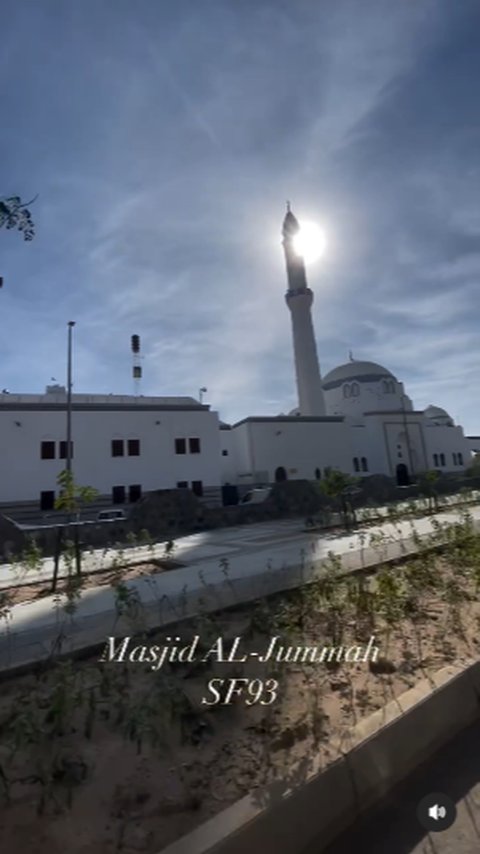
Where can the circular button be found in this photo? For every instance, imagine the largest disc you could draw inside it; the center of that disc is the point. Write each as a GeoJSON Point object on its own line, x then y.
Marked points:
{"type": "Point", "coordinates": [436, 812]}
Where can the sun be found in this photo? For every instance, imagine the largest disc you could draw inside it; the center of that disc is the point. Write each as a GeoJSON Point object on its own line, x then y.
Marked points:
{"type": "Point", "coordinates": [310, 242]}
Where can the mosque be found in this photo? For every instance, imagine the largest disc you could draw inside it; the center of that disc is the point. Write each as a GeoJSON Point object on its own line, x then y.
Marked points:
{"type": "Point", "coordinates": [357, 419]}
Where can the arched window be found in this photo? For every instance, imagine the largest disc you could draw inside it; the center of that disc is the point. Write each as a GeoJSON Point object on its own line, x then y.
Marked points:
{"type": "Point", "coordinates": [364, 464]}
{"type": "Point", "coordinates": [355, 390]}
{"type": "Point", "coordinates": [346, 390]}
{"type": "Point", "coordinates": [356, 464]}
{"type": "Point", "coordinates": [280, 474]}
{"type": "Point", "coordinates": [385, 386]}
{"type": "Point", "coordinates": [435, 459]}
{"type": "Point", "coordinates": [318, 474]}
{"type": "Point", "coordinates": [454, 457]}
{"type": "Point", "coordinates": [391, 387]}
{"type": "Point", "coordinates": [442, 459]}
{"type": "Point", "coordinates": [460, 459]}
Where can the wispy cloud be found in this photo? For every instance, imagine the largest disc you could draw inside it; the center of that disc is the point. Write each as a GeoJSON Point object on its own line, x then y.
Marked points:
{"type": "Point", "coordinates": [163, 143]}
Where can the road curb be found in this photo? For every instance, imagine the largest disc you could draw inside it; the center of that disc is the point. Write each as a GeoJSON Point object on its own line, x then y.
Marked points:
{"type": "Point", "coordinates": [305, 815]}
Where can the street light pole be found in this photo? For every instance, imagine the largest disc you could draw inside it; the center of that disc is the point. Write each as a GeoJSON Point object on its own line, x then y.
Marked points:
{"type": "Point", "coordinates": [71, 324]}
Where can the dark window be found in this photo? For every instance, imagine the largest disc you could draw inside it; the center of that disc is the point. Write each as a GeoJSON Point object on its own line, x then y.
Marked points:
{"type": "Point", "coordinates": [356, 464]}
{"type": "Point", "coordinates": [454, 457]}
{"type": "Point", "coordinates": [134, 447]}
{"type": "Point", "coordinates": [197, 487]}
{"type": "Point", "coordinates": [224, 453]}
{"type": "Point", "coordinates": [180, 446]}
{"type": "Point", "coordinates": [47, 451]}
{"type": "Point", "coordinates": [460, 459]}
{"type": "Point", "coordinates": [364, 464]}
{"type": "Point", "coordinates": [47, 500]}
{"type": "Point", "coordinates": [435, 459]}
{"type": "Point", "coordinates": [442, 459]}
{"type": "Point", "coordinates": [117, 447]}
{"type": "Point", "coordinates": [182, 484]}
{"type": "Point", "coordinates": [63, 451]}
{"type": "Point", "coordinates": [118, 495]}
{"type": "Point", "coordinates": [134, 493]}
{"type": "Point", "coordinates": [194, 445]}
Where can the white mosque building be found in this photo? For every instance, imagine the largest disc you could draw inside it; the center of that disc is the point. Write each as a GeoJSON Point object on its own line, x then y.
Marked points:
{"type": "Point", "coordinates": [357, 418]}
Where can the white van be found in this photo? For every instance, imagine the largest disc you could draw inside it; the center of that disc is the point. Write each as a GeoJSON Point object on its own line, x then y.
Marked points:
{"type": "Point", "coordinates": [111, 516]}
{"type": "Point", "coordinates": [256, 496]}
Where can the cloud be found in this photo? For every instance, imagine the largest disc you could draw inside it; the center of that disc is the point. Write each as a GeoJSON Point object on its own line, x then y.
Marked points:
{"type": "Point", "coordinates": [163, 142]}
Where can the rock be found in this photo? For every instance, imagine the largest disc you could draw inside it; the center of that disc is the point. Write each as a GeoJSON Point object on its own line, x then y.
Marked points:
{"type": "Point", "coordinates": [381, 666]}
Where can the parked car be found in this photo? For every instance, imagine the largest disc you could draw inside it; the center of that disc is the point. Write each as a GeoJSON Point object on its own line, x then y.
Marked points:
{"type": "Point", "coordinates": [111, 516]}
{"type": "Point", "coordinates": [256, 496]}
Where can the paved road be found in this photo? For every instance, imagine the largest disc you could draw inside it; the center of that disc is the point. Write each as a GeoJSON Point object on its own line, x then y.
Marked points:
{"type": "Point", "coordinates": [395, 829]}
{"type": "Point", "coordinates": [238, 543]}
{"type": "Point", "coordinates": [262, 559]}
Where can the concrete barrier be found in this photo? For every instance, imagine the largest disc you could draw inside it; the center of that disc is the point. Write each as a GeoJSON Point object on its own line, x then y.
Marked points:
{"type": "Point", "coordinates": [304, 813]}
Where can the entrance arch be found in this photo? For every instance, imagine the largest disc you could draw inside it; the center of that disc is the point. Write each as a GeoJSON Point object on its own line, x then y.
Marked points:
{"type": "Point", "coordinates": [280, 474]}
{"type": "Point", "coordinates": [403, 478]}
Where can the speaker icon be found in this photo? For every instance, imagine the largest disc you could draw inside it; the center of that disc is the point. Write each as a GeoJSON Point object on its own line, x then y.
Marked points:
{"type": "Point", "coordinates": [437, 812]}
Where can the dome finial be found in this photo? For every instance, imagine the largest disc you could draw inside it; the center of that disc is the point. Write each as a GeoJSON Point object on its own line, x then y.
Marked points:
{"type": "Point", "coordinates": [350, 356]}
{"type": "Point", "coordinates": [288, 206]}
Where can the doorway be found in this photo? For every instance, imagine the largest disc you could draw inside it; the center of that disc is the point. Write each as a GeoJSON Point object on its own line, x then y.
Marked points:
{"type": "Point", "coordinates": [403, 478]}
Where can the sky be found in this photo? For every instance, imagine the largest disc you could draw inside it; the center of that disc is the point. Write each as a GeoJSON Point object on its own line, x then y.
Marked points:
{"type": "Point", "coordinates": [163, 141]}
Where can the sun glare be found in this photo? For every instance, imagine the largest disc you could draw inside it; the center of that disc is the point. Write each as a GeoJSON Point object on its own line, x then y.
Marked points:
{"type": "Point", "coordinates": [309, 242]}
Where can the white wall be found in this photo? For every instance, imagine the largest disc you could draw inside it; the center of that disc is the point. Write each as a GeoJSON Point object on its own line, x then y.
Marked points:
{"type": "Point", "coordinates": [371, 397]}
{"type": "Point", "coordinates": [23, 474]}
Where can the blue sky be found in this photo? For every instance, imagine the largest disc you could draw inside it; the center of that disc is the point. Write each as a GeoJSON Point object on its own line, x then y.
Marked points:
{"type": "Point", "coordinates": [163, 140]}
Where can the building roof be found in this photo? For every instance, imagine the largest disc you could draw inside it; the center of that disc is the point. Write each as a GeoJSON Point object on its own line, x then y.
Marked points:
{"type": "Point", "coordinates": [362, 372]}
{"type": "Point", "coordinates": [291, 419]}
{"type": "Point", "coordinates": [101, 402]}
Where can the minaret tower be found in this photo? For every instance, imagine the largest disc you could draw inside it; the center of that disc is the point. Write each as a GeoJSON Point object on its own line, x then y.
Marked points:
{"type": "Point", "coordinates": [299, 299]}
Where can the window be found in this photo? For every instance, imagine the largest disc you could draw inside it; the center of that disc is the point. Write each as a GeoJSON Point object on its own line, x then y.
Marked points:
{"type": "Point", "coordinates": [134, 493]}
{"type": "Point", "coordinates": [355, 389]}
{"type": "Point", "coordinates": [197, 487]}
{"type": "Point", "coordinates": [47, 500]}
{"type": "Point", "coordinates": [117, 447]}
{"type": "Point", "coordinates": [435, 459]}
{"type": "Point", "coordinates": [442, 459]}
{"type": "Point", "coordinates": [47, 451]}
{"type": "Point", "coordinates": [460, 459]}
{"type": "Point", "coordinates": [318, 474]}
{"type": "Point", "coordinates": [364, 464]}
{"type": "Point", "coordinates": [118, 495]}
{"type": "Point", "coordinates": [182, 484]}
{"type": "Point", "coordinates": [133, 447]}
{"type": "Point", "coordinates": [63, 451]}
{"type": "Point", "coordinates": [346, 391]}
{"type": "Point", "coordinates": [180, 446]}
{"type": "Point", "coordinates": [194, 445]}
{"type": "Point", "coordinates": [356, 464]}
{"type": "Point", "coordinates": [454, 457]}
{"type": "Point", "coordinates": [224, 453]}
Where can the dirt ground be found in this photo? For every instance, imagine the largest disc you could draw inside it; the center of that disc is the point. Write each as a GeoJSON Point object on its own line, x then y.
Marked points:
{"type": "Point", "coordinates": [97, 758]}
{"type": "Point", "coordinates": [104, 578]}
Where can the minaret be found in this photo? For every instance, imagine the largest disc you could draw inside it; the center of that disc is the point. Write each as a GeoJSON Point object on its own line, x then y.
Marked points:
{"type": "Point", "coordinates": [299, 299]}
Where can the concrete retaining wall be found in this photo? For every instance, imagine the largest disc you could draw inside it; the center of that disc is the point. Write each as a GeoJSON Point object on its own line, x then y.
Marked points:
{"type": "Point", "coordinates": [306, 815]}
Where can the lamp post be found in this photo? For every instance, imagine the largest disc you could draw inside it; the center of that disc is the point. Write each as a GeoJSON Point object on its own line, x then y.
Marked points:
{"type": "Point", "coordinates": [71, 324]}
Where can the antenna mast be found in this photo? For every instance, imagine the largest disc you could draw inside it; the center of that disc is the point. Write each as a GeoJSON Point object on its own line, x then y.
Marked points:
{"type": "Point", "coordinates": [136, 368]}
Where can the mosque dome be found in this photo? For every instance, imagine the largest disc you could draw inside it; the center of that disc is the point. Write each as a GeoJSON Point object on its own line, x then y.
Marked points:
{"type": "Point", "coordinates": [363, 372]}
{"type": "Point", "coordinates": [436, 413]}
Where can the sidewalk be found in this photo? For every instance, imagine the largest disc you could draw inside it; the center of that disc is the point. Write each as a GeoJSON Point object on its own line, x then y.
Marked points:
{"type": "Point", "coordinates": [262, 559]}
